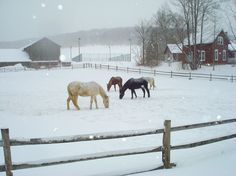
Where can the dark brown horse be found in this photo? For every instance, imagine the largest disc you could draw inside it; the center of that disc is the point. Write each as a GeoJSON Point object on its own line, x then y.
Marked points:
{"type": "Point", "coordinates": [113, 81]}
{"type": "Point", "coordinates": [133, 84]}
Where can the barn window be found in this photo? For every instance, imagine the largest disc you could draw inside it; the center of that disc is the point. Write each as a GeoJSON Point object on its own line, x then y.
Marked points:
{"type": "Point", "coordinates": [224, 55]}
{"type": "Point", "coordinates": [203, 55]}
{"type": "Point", "coordinates": [216, 55]}
{"type": "Point", "coordinates": [220, 40]}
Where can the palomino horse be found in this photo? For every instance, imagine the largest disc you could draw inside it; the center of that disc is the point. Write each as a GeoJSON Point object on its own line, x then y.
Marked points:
{"type": "Point", "coordinates": [133, 84]}
{"type": "Point", "coordinates": [91, 89]}
{"type": "Point", "coordinates": [150, 81]}
{"type": "Point", "coordinates": [113, 81]}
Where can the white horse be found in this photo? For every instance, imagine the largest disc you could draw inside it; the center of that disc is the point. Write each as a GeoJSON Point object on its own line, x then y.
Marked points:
{"type": "Point", "coordinates": [91, 89]}
{"type": "Point", "coordinates": [151, 82]}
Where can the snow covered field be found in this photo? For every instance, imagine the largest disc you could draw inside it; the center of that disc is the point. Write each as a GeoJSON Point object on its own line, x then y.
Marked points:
{"type": "Point", "coordinates": [33, 104]}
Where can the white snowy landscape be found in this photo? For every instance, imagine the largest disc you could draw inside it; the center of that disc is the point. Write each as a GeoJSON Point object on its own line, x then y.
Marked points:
{"type": "Point", "coordinates": [45, 45]}
{"type": "Point", "coordinates": [33, 105]}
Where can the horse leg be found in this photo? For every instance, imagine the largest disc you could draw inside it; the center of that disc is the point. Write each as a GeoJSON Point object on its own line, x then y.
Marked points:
{"type": "Point", "coordinates": [135, 94]}
{"type": "Point", "coordinates": [75, 102]}
{"type": "Point", "coordinates": [68, 103]}
{"type": "Point", "coordinates": [119, 86]}
{"type": "Point", "coordinates": [143, 92]}
{"type": "Point", "coordinates": [132, 92]}
{"type": "Point", "coordinates": [91, 102]}
{"type": "Point", "coordinates": [146, 87]}
{"type": "Point", "coordinates": [95, 100]}
{"type": "Point", "coordinates": [115, 87]}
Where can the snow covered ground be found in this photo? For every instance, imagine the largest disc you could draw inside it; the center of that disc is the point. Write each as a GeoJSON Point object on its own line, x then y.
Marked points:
{"type": "Point", "coordinates": [33, 104]}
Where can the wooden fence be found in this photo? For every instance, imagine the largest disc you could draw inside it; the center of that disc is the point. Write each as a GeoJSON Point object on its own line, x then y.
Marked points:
{"type": "Point", "coordinates": [166, 147]}
{"type": "Point", "coordinates": [154, 72]}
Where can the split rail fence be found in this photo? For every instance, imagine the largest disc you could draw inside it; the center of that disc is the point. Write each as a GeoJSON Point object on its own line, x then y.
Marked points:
{"type": "Point", "coordinates": [166, 147]}
{"type": "Point", "coordinates": [154, 72]}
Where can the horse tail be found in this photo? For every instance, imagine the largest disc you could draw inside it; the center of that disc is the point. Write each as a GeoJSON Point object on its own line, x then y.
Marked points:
{"type": "Point", "coordinates": [69, 91]}
{"type": "Point", "coordinates": [154, 83]}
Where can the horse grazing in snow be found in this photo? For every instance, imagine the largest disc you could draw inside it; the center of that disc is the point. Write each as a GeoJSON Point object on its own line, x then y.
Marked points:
{"type": "Point", "coordinates": [113, 81]}
{"type": "Point", "coordinates": [133, 84]}
{"type": "Point", "coordinates": [91, 89]}
{"type": "Point", "coordinates": [150, 81]}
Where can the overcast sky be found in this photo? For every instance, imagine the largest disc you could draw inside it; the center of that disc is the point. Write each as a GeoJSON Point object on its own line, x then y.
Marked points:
{"type": "Point", "coordinates": [20, 19]}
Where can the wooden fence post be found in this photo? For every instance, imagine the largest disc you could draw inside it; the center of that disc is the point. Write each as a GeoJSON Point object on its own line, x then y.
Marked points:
{"type": "Point", "coordinates": [210, 77]}
{"type": "Point", "coordinates": [171, 74]}
{"type": "Point", "coordinates": [7, 151]}
{"type": "Point", "coordinates": [166, 145]}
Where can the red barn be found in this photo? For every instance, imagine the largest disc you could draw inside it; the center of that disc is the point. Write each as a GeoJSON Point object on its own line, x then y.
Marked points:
{"type": "Point", "coordinates": [212, 50]}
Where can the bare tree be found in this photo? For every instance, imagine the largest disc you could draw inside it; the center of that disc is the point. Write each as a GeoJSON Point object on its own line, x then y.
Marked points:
{"type": "Point", "coordinates": [232, 20]}
{"type": "Point", "coordinates": [195, 13]}
{"type": "Point", "coordinates": [143, 30]}
{"type": "Point", "coordinates": [207, 9]}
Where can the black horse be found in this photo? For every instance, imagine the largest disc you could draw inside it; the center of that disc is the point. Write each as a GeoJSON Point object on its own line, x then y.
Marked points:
{"type": "Point", "coordinates": [134, 84]}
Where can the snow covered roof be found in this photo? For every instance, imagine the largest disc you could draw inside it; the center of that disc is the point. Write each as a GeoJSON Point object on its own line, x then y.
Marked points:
{"type": "Point", "coordinates": [174, 48]}
{"type": "Point", "coordinates": [36, 40]}
{"type": "Point", "coordinates": [232, 46]}
{"type": "Point", "coordinates": [13, 55]}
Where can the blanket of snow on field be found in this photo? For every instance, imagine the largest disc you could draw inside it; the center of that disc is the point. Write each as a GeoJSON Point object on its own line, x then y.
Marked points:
{"type": "Point", "coordinates": [33, 104]}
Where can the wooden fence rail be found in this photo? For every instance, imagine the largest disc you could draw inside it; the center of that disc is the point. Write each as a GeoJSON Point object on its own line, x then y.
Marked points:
{"type": "Point", "coordinates": [166, 147]}
{"type": "Point", "coordinates": [154, 72]}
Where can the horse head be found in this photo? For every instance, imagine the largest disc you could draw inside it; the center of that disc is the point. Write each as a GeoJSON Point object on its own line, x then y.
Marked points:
{"type": "Point", "coordinates": [122, 93]}
{"type": "Point", "coordinates": [108, 87]}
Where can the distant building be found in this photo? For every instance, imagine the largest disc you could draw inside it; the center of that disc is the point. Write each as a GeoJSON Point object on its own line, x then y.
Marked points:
{"type": "Point", "coordinates": [77, 58]}
{"type": "Point", "coordinates": [173, 52]}
{"type": "Point", "coordinates": [210, 50]}
{"type": "Point", "coordinates": [232, 52]}
{"type": "Point", "coordinates": [37, 54]}
{"type": "Point", "coordinates": [43, 50]}
{"type": "Point", "coordinates": [9, 57]}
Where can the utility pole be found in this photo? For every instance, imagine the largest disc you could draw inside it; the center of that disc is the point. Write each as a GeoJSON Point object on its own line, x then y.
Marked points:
{"type": "Point", "coordinates": [79, 48]}
{"type": "Point", "coordinates": [70, 52]}
{"type": "Point", "coordinates": [214, 55]}
{"type": "Point", "coordinates": [109, 52]}
{"type": "Point", "coordinates": [130, 48]}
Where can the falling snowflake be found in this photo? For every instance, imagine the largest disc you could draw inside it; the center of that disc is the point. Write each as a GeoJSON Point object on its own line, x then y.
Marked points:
{"type": "Point", "coordinates": [43, 5]}
{"type": "Point", "coordinates": [60, 7]}
{"type": "Point", "coordinates": [91, 137]}
{"type": "Point", "coordinates": [62, 58]}
{"type": "Point", "coordinates": [218, 117]}
{"type": "Point", "coordinates": [124, 139]}
{"type": "Point", "coordinates": [34, 17]}
{"type": "Point", "coordinates": [55, 129]}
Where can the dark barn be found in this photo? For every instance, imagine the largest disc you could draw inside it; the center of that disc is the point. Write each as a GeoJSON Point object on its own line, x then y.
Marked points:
{"type": "Point", "coordinates": [43, 53]}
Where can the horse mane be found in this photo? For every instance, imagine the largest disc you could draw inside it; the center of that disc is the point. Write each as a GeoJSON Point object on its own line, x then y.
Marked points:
{"type": "Point", "coordinates": [125, 86]}
{"type": "Point", "coordinates": [102, 92]}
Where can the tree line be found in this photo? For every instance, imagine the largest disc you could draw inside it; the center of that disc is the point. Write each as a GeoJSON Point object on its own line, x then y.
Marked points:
{"type": "Point", "coordinates": [181, 27]}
